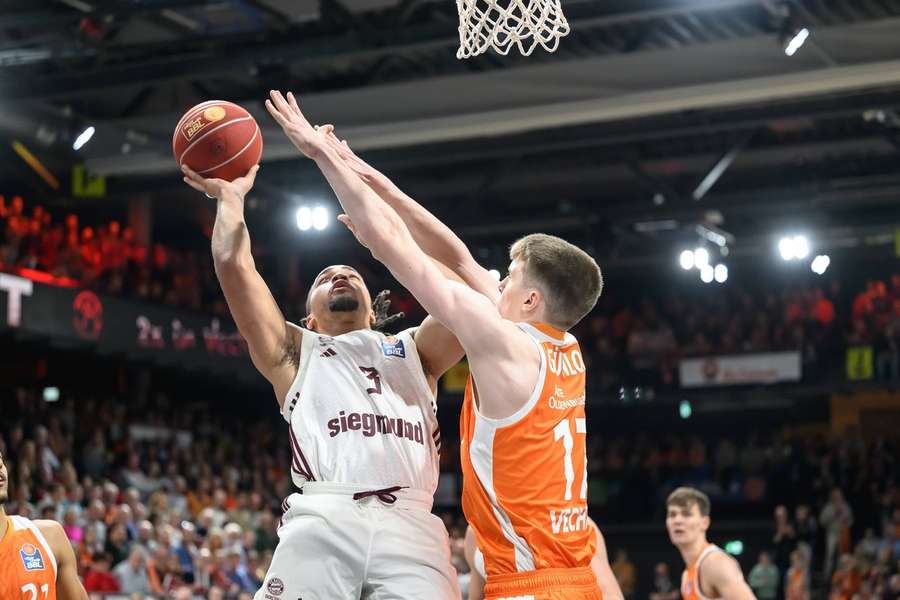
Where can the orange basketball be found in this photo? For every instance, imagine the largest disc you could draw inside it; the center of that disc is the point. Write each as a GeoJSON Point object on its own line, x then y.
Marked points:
{"type": "Point", "coordinates": [217, 139]}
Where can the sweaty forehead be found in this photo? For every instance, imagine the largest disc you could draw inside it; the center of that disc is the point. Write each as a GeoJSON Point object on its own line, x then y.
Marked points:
{"type": "Point", "coordinates": [330, 271]}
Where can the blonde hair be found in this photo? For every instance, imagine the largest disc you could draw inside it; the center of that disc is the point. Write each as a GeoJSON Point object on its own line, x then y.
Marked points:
{"type": "Point", "coordinates": [687, 496]}
{"type": "Point", "coordinates": [568, 278]}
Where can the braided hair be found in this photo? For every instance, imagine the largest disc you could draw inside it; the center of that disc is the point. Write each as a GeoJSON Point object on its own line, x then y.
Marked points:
{"type": "Point", "coordinates": [381, 305]}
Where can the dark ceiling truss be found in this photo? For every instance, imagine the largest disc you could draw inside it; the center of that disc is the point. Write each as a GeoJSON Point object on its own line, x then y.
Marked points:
{"type": "Point", "coordinates": [415, 40]}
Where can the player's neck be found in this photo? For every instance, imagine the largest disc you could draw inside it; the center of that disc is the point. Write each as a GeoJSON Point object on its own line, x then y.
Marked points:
{"type": "Point", "coordinates": [339, 325]}
{"type": "Point", "coordinates": [4, 522]}
{"type": "Point", "coordinates": [691, 552]}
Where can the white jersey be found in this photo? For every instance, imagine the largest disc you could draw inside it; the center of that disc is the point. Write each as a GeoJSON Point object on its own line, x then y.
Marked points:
{"type": "Point", "coordinates": [360, 411]}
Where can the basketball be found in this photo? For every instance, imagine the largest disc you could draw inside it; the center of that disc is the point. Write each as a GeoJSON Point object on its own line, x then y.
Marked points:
{"type": "Point", "coordinates": [217, 139]}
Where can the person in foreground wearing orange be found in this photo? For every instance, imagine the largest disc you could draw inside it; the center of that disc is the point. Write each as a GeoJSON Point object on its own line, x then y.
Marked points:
{"type": "Point", "coordinates": [36, 559]}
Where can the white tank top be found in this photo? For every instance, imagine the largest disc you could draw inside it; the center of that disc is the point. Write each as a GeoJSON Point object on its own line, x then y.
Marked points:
{"type": "Point", "coordinates": [360, 411]}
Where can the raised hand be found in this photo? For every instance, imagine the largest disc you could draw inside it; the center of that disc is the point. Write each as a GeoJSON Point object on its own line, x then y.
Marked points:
{"type": "Point", "coordinates": [216, 188]}
{"type": "Point", "coordinates": [286, 113]}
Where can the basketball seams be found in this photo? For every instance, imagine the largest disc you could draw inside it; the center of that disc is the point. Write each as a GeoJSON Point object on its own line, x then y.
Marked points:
{"type": "Point", "coordinates": [242, 150]}
{"type": "Point", "coordinates": [208, 133]}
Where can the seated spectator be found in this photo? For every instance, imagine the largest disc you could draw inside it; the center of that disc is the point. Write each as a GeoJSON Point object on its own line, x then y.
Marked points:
{"type": "Point", "coordinates": [764, 578]}
{"type": "Point", "coordinates": [98, 578]}
{"type": "Point", "coordinates": [132, 573]}
{"type": "Point", "coordinates": [663, 588]}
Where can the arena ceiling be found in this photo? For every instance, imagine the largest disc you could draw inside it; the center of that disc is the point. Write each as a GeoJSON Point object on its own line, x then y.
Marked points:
{"type": "Point", "coordinates": [653, 116]}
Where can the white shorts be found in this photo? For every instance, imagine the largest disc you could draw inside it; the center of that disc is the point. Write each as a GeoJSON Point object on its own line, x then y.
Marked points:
{"type": "Point", "coordinates": [332, 547]}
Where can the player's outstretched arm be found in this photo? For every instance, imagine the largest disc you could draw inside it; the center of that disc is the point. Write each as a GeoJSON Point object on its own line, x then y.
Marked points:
{"type": "Point", "coordinates": [498, 351]}
{"type": "Point", "coordinates": [68, 586]}
{"type": "Point", "coordinates": [271, 342]}
{"type": "Point", "coordinates": [436, 239]}
{"type": "Point", "coordinates": [476, 581]}
{"type": "Point", "coordinates": [722, 576]}
{"type": "Point", "coordinates": [602, 571]}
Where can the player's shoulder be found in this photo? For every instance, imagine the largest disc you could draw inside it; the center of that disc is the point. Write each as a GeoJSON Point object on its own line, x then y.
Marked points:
{"type": "Point", "coordinates": [719, 564]}
{"type": "Point", "coordinates": [52, 530]}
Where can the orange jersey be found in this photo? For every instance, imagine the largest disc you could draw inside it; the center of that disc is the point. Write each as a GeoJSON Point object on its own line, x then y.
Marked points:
{"type": "Point", "coordinates": [525, 476]}
{"type": "Point", "coordinates": [690, 578]}
{"type": "Point", "coordinates": [27, 564]}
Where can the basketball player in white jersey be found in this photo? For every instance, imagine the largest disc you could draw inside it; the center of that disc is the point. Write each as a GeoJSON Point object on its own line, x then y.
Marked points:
{"type": "Point", "coordinates": [36, 558]}
{"type": "Point", "coordinates": [606, 580]}
{"type": "Point", "coordinates": [510, 345]}
{"type": "Point", "coordinates": [709, 572]}
{"type": "Point", "coordinates": [363, 431]}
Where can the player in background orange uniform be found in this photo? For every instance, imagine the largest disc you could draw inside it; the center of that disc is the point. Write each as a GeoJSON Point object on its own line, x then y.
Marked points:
{"type": "Point", "coordinates": [523, 424]}
{"type": "Point", "coordinates": [36, 559]}
{"type": "Point", "coordinates": [687, 519]}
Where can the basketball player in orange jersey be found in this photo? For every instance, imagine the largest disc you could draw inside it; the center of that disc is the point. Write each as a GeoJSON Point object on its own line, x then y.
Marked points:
{"type": "Point", "coordinates": [522, 425]}
{"type": "Point", "coordinates": [709, 572]}
{"type": "Point", "coordinates": [606, 580]}
{"type": "Point", "coordinates": [36, 558]}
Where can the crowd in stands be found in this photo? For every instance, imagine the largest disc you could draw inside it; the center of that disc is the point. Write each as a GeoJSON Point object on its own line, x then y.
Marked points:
{"type": "Point", "coordinates": [631, 341]}
{"type": "Point", "coordinates": [161, 497]}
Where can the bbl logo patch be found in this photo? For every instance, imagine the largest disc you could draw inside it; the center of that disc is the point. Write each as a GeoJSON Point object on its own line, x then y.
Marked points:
{"type": "Point", "coordinates": [31, 558]}
{"type": "Point", "coordinates": [275, 586]}
{"type": "Point", "coordinates": [391, 346]}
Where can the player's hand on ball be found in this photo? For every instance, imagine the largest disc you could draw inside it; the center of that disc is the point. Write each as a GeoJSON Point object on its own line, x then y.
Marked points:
{"type": "Point", "coordinates": [287, 113]}
{"type": "Point", "coordinates": [217, 188]}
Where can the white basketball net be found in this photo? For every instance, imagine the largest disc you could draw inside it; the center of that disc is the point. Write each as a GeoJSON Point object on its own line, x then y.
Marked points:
{"type": "Point", "coordinates": [501, 24]}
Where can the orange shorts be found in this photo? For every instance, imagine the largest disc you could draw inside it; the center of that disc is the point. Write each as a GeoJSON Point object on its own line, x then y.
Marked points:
{"type": "Point", "coordinates": [545, 584]}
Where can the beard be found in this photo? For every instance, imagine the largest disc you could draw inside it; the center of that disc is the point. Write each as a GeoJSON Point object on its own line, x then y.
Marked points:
{"type": "Point", "coordinates": [343, 304]}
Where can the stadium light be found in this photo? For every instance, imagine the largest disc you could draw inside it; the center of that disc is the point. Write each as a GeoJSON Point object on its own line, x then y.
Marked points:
{"type": "Point", "coordinates": [83, 138]}
{"type": "Point", "coordinates": [796, 42]}
{"type": "Point", "coordinates": [495, 274]}
{"type": "Point", "coordinates": [685, 410]}
{"type": "Point", "coordinates": [721, 273]}
{"type": "Point", "coordinates": [820, 264]}
{"type": "Point", "coordinates": [793, 247]}
{"type": "Point", "coordinates": [304, 218]}
{"type": "Point", "coordinates": [320, 218]}
{"type": "Point", "coordinates": [707, 274]}
{"type": "Point", "coordinates": [734, 547]}
{"type": "Point", "coordinates": [686, 260]}
{"type": "Point", "coordinates": [701, 258]}
{"type": "Point", "coordinates": [51, 394]}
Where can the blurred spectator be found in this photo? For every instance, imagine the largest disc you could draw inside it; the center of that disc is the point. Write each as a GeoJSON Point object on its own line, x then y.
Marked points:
{"type": "Point", "coordinates": [625, 573]}
{"type": "Point", "coordinates": [836, 518]}
{"type": "Point", "coordinates": [663, 588]}
{"type": "Point", "coordinates": [764, 578]}
{"type": "Point", "coordinates": [797, 579]}
{"type": "Point", "coordinates": [132, 573]}
{"type": "Point", "coordinates": [99, 579]}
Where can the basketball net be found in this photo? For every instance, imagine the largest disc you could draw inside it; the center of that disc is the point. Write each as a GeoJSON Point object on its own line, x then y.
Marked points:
{"type": "Point", "coordinates": [502, 24]}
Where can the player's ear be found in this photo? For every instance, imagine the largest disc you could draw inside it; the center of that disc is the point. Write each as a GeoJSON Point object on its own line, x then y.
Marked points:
{"type": "Point", "coordinates": [309, 322]}
{"type": "Point", "coordinates": [704, 523]}
{"type": "Point", "coordinates": [372, 319]}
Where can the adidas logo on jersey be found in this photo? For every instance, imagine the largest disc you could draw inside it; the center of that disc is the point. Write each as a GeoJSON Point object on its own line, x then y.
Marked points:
{"type": "Point", "coordinates": [328, 352]}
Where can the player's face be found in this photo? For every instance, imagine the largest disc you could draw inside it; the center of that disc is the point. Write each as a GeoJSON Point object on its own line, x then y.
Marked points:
{"type": "Point", "coordinates": [339, 289]}
{"type": "Point", "coordinates": [4, 481]}
{"type": "Point", "coordinates": [514, 294]}
{"type": "Point", "coordinates": [685, 524]}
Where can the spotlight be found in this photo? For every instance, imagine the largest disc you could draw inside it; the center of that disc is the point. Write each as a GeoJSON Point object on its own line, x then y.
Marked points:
{"type": "Point", "coordinates": [304, 218]}
{"type": "Point", "coordinates": [686, 260]}
{"type": "Point", "coordinates": [820, 264]}
{"type": "Point", "coordinates": [701, 258]}
{"type": "Point", "coordinates": [796, 42]}
{"type": "Point", "coordinates": [83, 138]}
{"type": "Point", "coordinates": [320, 218]}
{"type": "Point", "coordinates": [721, 273]}
{"type": "Point", "coordinates": [706, 274]}
{"type": "Point", "coordinates": [793, 247]}
{"type": "Point", "coordinates": [495, 274]}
